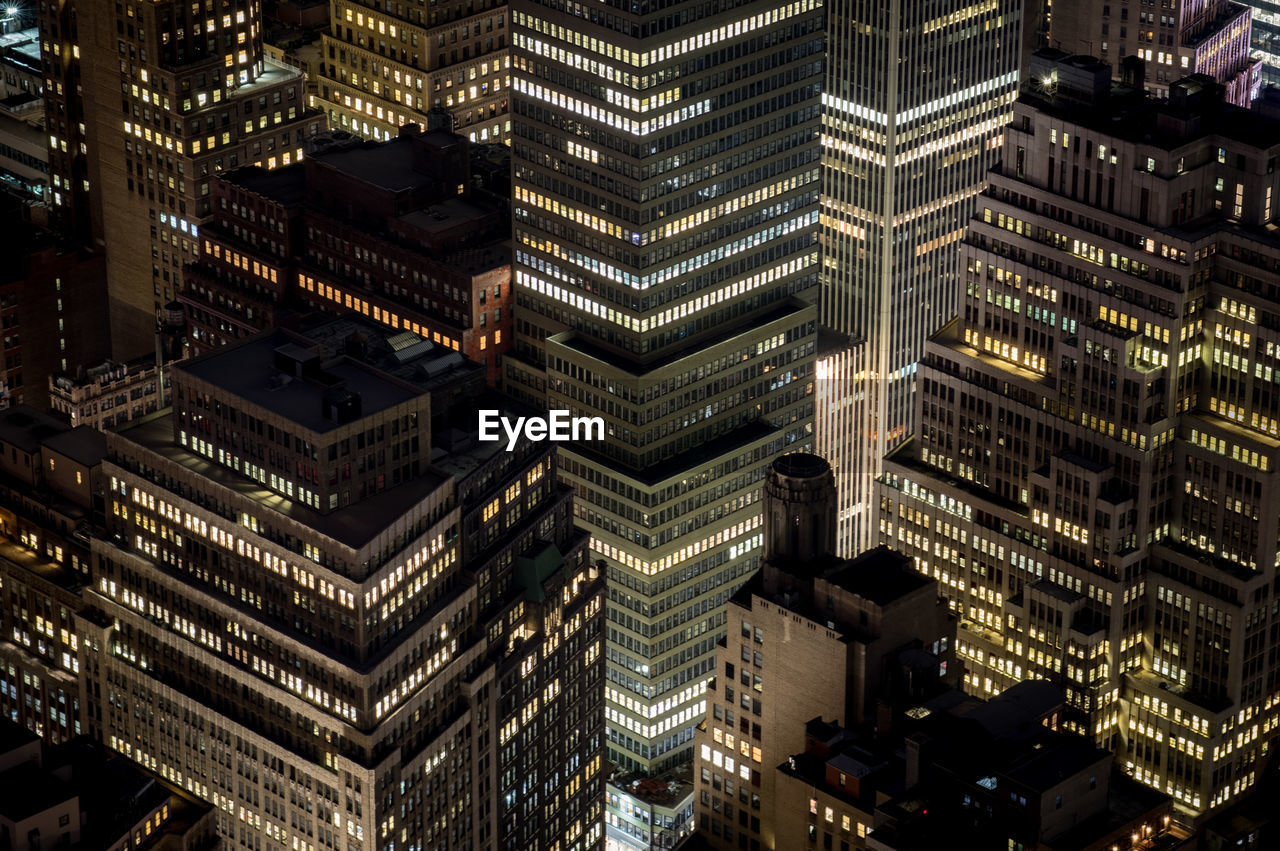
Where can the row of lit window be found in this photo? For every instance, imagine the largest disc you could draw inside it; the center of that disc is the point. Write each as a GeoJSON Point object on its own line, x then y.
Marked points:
{"type": "Point", "coordinates": [652, 568]}
{"type": "Point", "coordinates": [386, 317]}
{"type": "Point", "coordinates": [699, 42]}
{"type": "Point", "coordinates": [1237, 452]}
{"type": "Point", "coordinates": [629, 322]}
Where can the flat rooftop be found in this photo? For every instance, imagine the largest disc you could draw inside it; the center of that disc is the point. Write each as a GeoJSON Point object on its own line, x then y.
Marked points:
{"type": "Point", "coordinates": [442, 217]}
{"type": "Point", "coordinates": [14, 736]}
{"type": "Point", "coordinates": [1129, 114]}
{"type": "Point", "coordinates": [26, 428]}
{"type": "Point", "coordinates": [82, 444]}
{"type": "Point", "coordinates": [1015, 713]}
{"type": "Point", "coordinates": [880, 575]}
{"type": "Point", "coordinates": [30, 790]}
{"type": "Point", "coordinates": [400, 354]}
{"type": "Point", "coordinates": [249, 371]}
{"type": "Point", "coordinates": [388, 165]}
{"type": "Point", "coordinates": [286, 186]}
{"type": "Point", "coordinates": [1059, 758]}
{"type": "Point", "coordinates": [353, 526]}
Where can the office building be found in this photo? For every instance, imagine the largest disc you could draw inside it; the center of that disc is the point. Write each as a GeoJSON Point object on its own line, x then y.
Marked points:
{"type": "Point", "coordinates": [398, 231]}
{"type": "Point", "coordinates": [809, 635]}
{"type": "Point", "coordinates": [1098, 433]}
{"type": "Point", "coordinates": [397, 637]}
{"type": "Point", "coordinates": [1251, 824]}
{"type": "Point", "coordinates": [358, 627]}
{"type": "Point", "coordinates": [665, 247]}
{"type": "Point", "coordinates": [383, 68]}
{"type": "Point", "coordinates": [1174, 40]}
{"type": "Point", "coordinates": [835, 721]}
{"type": "Point", "coordinates": [197, 96]}
{"type": "Point", "coordinates": [24, 157]}
{"type": "Point", "coordinates": [915, 101]}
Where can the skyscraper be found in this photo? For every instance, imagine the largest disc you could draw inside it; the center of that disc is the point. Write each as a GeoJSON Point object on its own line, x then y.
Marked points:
{"type": "Point", "coordinates": [149, 100]}
{"type": "Point", "coordinates": [666, 200]}
{"type": "Point", "coordinates": [1098, 436]}
{"type": "Point", "coordinates": [337, 618]}
{"type": "Point", "coordinates": [810, 635]}
{"type": "Point", "coordinates": [384, 66]}
{"type": "Point", "coordinates": [916, 97]}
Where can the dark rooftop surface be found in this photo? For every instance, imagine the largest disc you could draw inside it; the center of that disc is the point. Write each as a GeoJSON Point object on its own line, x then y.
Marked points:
{"type": "Point", "coordinates": [801, 465]}
{"type": "Point", "coordinates": [388, 165]}
{"type": "Point", "coordinates": [286, 186]}
{"type": "Point", "coordinates": [353, 526]}
{"type": "Point", "coordinates": [1044, 767]}
{"type": "Point", "coordinates": [1015, 713]}
{"type": "Point", "coordinates": [1128, 113]}
{"type": "Point", "coordinates": [880, 575]}
{"type": "Point", "coordinates": [82, 444]}
{"type": "Point", "coordinates": [663, 791]}
{"type": "Point", "coordinates": [14, 736]}
{"type": "Point", "coordinates": [1083, 462]}
{"type": "Point", "coordinates": [444, 216]}
{"type": "Point", "coordinates": [29, 789]}
{"type": "Point", "coordinates": [249, 372]}
{"type": "Point", "coordinates": [696, 841]}
{"type": "Point", "coordinates": [25, 427]}
{"type": "Point", "coordinates": [1056, 591]}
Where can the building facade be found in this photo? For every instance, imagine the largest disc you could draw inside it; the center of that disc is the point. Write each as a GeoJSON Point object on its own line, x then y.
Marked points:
{"type": "Point", "coordinates": [49, 474]}
{"type": "Point", "coordinates": [110, 394]}
{"type": "Point", "coordinates": [199, 96]}
{"type": "Point", "coordinates": [692, 340]}
{"type": "Point", "coordinates": [389, 650]}
{"type": "Point", "coordinates": [396, 642]}
{"type": "Point", "coordinates": [396, 231]}
{"type": "Point", "coordinates": [1211, 37]}
{"type": "Point", "coordinates": [1098, 436]}
{"type": "Point", "coordinates": [383, 68]}
{"type": "Point", "coordinates": [916, 97]}
{"type": "Point", "coordinates": [811, 635]}
{"type": "Point", "coordinates": [52, 299]}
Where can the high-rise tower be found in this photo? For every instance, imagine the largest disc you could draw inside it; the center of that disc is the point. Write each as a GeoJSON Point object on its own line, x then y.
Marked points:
{"type": "Point", "coordinates": [149, 100]}
{"type": "Point", "coordinates": [341, 619]}
{"type": "Point", "coordinates": [916, 97]}
{"type": "Point", "coordinates": [810, 635]}
{"type": "Point", "coordinates": [1098, 437]}
{"type": "Point", "coordinates": [666, 201]}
